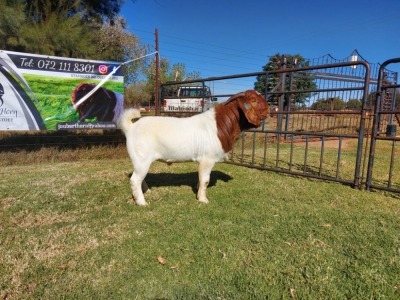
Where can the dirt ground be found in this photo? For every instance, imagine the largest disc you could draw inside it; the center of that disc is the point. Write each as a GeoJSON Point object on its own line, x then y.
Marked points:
{"type": "Point", "coordinates": [331, 143]}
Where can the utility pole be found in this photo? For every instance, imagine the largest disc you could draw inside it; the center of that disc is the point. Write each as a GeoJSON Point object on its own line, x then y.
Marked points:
{"type": "Point", "coordinates": [157, 77]}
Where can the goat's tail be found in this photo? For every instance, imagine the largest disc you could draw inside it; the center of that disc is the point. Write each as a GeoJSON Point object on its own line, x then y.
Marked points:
{"type": "Point", "coordinates": [128, 117]}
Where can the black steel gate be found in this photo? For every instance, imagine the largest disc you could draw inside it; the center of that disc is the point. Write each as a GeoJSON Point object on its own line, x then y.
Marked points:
{"type": "Point", "coordinates": [384, 163]}
{"type": "Point", "coordinates": [333, 129]}
{"type": "Point", "coordinates": [313, 141]}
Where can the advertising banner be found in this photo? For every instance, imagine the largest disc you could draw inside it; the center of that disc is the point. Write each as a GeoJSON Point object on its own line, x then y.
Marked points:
{"type": "Point", "coordinates": [40, 92]}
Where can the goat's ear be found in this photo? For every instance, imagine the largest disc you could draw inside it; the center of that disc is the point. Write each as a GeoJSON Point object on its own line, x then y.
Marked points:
{"type": "Point", "coordinates": [248, 104]}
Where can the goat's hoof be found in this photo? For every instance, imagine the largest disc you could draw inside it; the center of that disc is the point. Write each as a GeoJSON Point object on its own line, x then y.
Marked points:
{"type": "Point", "coordinates": [139, 202]}
{"type": "Point", "coordinates": [204, 200]}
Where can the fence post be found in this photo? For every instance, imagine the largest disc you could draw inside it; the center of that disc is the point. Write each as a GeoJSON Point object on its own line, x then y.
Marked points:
{"type": "Point", "coordinates": [377, 121]}
{"type": "Point", "coordinates": [281, 100]}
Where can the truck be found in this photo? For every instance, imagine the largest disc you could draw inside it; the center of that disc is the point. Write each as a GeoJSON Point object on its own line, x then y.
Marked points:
{"type": "Point", "coordinates": [192, 99]}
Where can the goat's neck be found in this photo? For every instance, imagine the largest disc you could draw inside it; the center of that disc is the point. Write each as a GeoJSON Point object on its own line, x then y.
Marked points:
{"type": "Point", "coordinates": [230, 123]}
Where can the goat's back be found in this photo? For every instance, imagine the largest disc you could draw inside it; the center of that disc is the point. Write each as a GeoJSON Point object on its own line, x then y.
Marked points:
{"type": "Point", "coordinates": [173, 139]}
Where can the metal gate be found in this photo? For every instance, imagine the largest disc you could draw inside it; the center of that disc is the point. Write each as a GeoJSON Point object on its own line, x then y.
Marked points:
{"type": "Point", "coordinates": [309, 140]}
{"type": "Point", "coordinates": [384, 163]}
{"type": "Point", "coordinates": [332, 129]}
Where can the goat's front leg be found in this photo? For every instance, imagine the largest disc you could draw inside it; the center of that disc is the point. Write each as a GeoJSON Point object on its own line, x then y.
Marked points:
{"type": "Point", "coordinates": [205, 168]}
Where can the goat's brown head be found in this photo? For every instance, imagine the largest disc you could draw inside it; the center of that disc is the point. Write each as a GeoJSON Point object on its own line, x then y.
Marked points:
{"type": "Point", "coordinates": [253, 105]}
{"type": "Point", "coordinates": [240, 112]}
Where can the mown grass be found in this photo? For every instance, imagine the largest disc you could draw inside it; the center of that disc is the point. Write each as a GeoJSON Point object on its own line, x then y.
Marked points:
{"type": "Point", "coordinates": [301, 157]}
{"type": "Point", "coordinates": [334, 159]}
{"type": "Point", "coordinates": [69, 230]}
{"type": "Point", "coordinates": [387, 155]}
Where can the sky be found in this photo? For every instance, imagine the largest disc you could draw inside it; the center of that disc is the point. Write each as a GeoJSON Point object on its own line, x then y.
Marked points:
{"type": "Point", "coordinates": [226, 37]}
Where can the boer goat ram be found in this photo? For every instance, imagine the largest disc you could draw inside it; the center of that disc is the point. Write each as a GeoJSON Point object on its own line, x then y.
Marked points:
{"type": "Point", "coordinates": [205, 138]}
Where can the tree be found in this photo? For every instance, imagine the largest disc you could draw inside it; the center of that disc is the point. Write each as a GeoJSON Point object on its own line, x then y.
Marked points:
{"type": "Point", "coordinates": [45, 27]}
{"type": "Point", "coordinates": [354, 104]}
{"type": "Point", "coordinates": [59, 36]}
{"type": "Point", "coordinates": [87, 29]}
{"type": "Point", "coordinates": [12, 17]}
{"type": "Point", "coordinates": [114, 43]}
{"type": "Point", "coordinates": [272, 82]}
{"type": "Point", "coordinates": [89, 11]}
{"type": "Point", "coordinates": [62, 28]}
{"type": "Point", "coordinates": [329, 104]}
{"type": "Point", "coordinates": [176, 72]}
{"type": "Point", "coordinates": [136, 94]}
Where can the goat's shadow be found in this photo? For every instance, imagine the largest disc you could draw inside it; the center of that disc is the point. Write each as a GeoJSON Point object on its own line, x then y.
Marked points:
{"type": "Point", "coordinates": [182, 179]}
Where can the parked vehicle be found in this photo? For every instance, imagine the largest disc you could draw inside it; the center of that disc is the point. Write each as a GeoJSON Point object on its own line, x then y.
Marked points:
{"type": "Point", "coordinates": [190, 99]}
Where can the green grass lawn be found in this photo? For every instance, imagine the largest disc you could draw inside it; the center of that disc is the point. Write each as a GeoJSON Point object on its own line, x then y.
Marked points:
{"type": "Point", "coordinates": [69, 230]}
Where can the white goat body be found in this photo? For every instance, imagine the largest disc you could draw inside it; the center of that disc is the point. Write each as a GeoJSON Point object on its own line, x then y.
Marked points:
{"type": "Point", "coordinates": [205, 138]}
{"type": "Point", "coordinates": [172, 139]}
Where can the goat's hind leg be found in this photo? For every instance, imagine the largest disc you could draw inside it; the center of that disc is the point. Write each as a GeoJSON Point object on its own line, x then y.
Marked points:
{"type": "Point", "coordinates": [137, 182]}
{"type": "Point", "coordinates": [145, 187]}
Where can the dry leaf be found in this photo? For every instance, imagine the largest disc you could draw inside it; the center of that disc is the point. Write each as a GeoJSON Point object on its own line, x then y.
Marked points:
{"type": "Point", "coordinates": [161, 260]}
{"type": "Point", "coordinates": [292, 294]}
{"type": "Point", "coordinates": [327, 225]}
{"type": "Point", "coordinates": [223, 254]}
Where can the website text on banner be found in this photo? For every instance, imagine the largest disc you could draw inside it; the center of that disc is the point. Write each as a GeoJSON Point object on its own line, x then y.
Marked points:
{"type": "Point", "coordinates": [40, 92]}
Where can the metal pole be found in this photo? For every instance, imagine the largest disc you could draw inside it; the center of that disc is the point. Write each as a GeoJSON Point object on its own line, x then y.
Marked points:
{"type": "Point", "coordinates": [376, 122]}
{"type": "Point", "coordinates": [203, 95]}
{"type": "Point", "coordinates": [281, 99]}
{"type": "Point", "coordinates": [393, 106]}
{"type": "Point", "coordinates": [288, 97]}
{"type": "Point", "coordinates": [156, 78]}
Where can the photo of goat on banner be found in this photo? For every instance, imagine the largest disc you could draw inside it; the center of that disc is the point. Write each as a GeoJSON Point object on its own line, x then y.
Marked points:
{"type": "Point", "coordinates": [53, 93]}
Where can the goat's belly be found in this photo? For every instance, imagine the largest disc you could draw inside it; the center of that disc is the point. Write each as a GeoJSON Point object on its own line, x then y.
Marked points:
{"type": "Point", "coordinates": [181, 154]}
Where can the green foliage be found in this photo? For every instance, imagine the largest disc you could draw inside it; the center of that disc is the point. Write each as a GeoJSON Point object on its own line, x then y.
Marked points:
{"type": "Point", "coordinates": [302, 81]}
{"type": "Point", "coordinates": [176, 72]}
{"type": "Point", "coordinates": [90, 11]}
{"type": "Point", "coordinates": [70, 29]}
{"type": "Point", "coordinates": [12, 17]}
{"type": "Point", "coordinates": [354, 104]}
{"type": "Point", "coordinates": [114, 43]}
{"type": "Point", "coordinates": [329, 104]}
{"type": "Point", "coordinates": [83, 29]}
{"type": "Point", "coordinates": [136, 94]}
{"type": "Point", "coordinates": [45, 27]}
{"type": "Point", "coordinates": [58, 36]}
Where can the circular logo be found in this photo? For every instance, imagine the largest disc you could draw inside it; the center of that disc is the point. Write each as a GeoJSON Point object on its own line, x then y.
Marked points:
{"type": "Point", "coordinates": [103, 69]}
